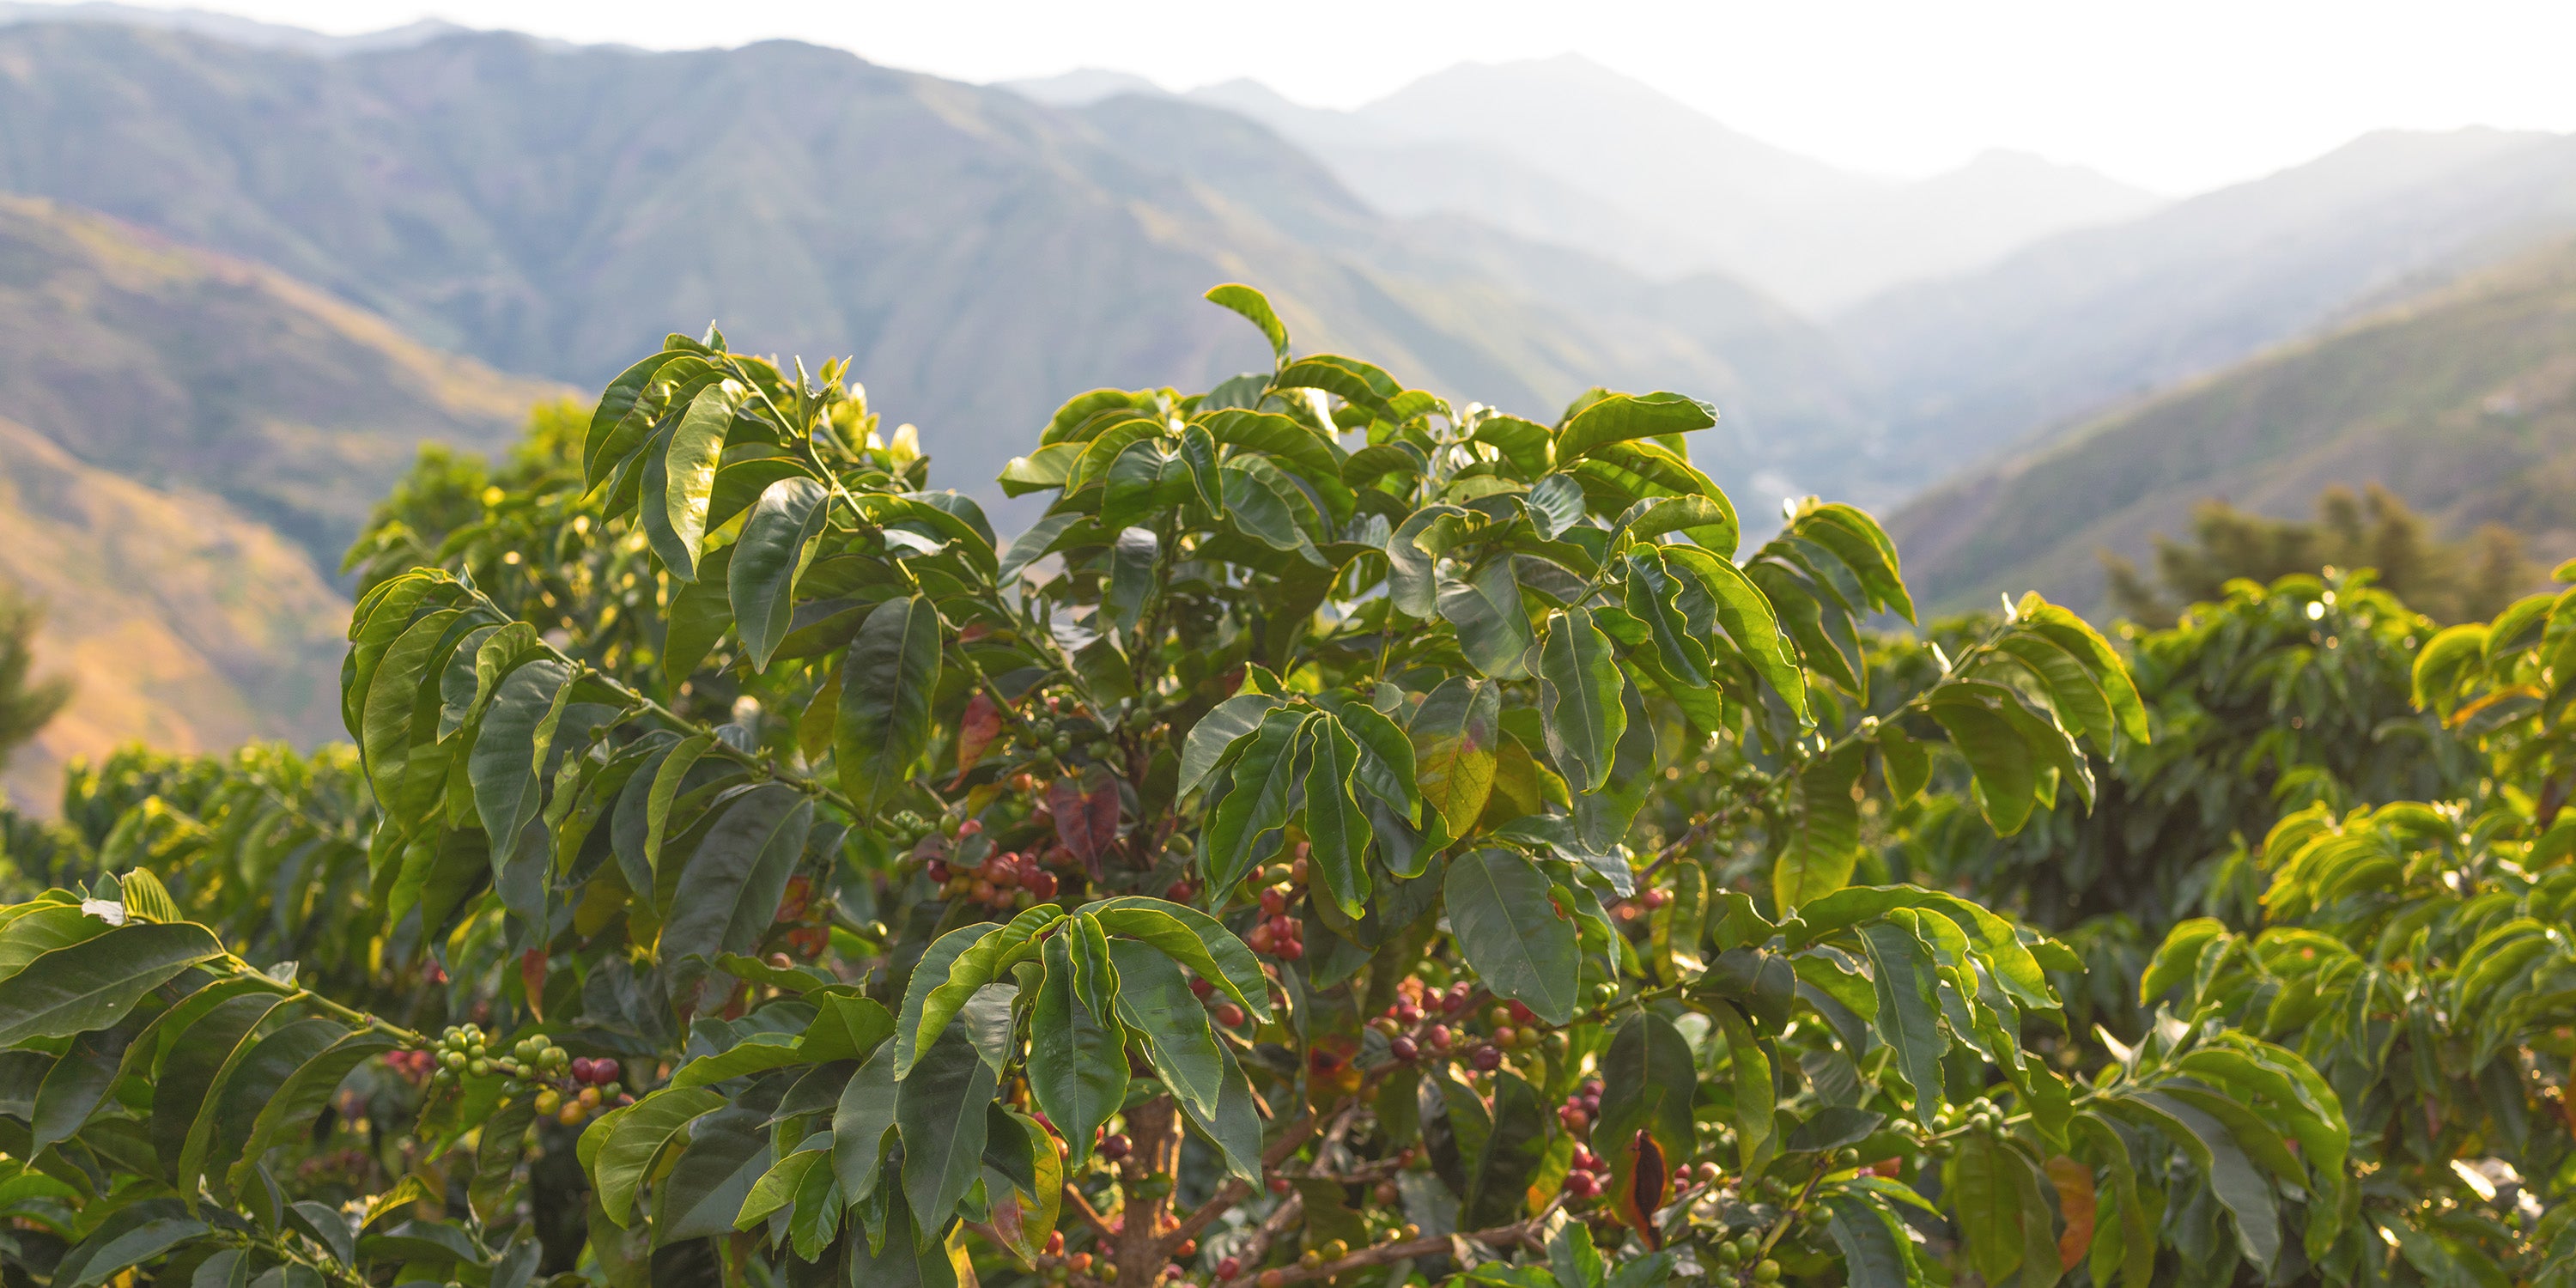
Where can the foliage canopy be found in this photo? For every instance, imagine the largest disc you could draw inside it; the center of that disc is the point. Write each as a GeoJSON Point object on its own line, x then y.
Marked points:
{"type": "Point", "coordinates": [1350, 836]}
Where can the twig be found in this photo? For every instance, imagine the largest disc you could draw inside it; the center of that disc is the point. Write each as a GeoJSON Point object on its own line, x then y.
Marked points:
{"type": "Point", "coordinates": [1502, 1236]}
{"type": "Point", "coordinates": [1082, 1207]}
{"type": "Point", "coordinates": [1235, 1191]}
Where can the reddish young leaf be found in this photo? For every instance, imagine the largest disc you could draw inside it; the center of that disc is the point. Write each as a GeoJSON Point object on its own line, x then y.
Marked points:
{"type": "Point", "coordinates": [1086, 814]}
{"type": "Point", "coordinates": [532, 975]}
{"type": "Point", "coordinates": [1649, 1180]}
{"type": "Point", "coordinates": [2074, 1182]}
{"type": "Point", "coordinates": [976, 731]}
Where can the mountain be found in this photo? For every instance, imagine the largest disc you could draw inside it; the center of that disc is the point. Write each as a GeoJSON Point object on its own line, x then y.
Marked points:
{"type": "Point", "coordinates": [186, 444]}
{"type": "Point", "coordinates": [183, 370]}
{"type": "Point", "coordinates": [1081, 87]}
{"type": "Point", "coordinates": [555, 210]}
{"type": "Point", "coordinates": [1564, 150]}
{"type": "Point", "coordinates": [2067, 327]}
{"type": "Point", "coordinates": [224, 26]}
{"type": "Point", "coordinates": [2462, 400]}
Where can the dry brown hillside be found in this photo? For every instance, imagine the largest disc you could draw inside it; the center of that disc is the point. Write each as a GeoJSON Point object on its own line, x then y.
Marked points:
{"type": "Point", "coordinates": [187, 441]}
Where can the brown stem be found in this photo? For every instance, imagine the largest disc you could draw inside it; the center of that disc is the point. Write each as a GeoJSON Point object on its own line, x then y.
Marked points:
{"type": "Point", "coordinates": [1235, 1191]}
{"type": "Point", "coordinates": [1502, 1236]}
{"type": "Point", "coordinates": [1258, 1246]}
{"type": "Point", "coordinates": [1146, 1179]}
{"type": "Point", "coordinates": [1082, 1207]}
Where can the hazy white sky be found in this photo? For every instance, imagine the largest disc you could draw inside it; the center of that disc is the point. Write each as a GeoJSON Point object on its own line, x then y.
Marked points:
{"type": "Point", "coordinates": [2175, 95]}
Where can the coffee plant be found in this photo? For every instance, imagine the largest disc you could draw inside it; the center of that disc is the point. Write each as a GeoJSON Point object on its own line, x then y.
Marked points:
{"type": "Point", "coordinates": [2415, 954]}
{"type": "Point", "coordinates": [1350, 837]}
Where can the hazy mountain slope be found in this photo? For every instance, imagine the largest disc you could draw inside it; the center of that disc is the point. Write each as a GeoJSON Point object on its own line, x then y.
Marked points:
{"type": "Point", "coordinates": [1967, 367]}
{"type": "Point", "coordinates": [2462, 400]}
{"type": "Point", "coordinates": [187, 442]}
{"type": "Point", "coordinates": [1567, 151]}
{"type": "Point", "coordinates": [181, 623]}
{"type": "Point", "coordinates": [983, 256]}
{"type": "Point", "coordinates": [225, 26]}
{"type": "Point", "coordinates": [177, 368]}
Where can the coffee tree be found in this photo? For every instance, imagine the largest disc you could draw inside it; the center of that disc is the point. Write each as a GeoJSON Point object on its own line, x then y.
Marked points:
{"type": "Point", "coordinates": [1236, 878]}
{"type": "Point", "coordinates": [2415, 953]}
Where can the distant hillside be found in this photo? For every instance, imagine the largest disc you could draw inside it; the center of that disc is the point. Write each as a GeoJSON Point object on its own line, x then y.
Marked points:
{"type": "Point", "coordinates": [222, 26]}
{"type": "Point", "coordinates": [2071, 326]}
{"type": "Point", "coordinates": [982, 255]}
{"type": "Point", "coordinates": [180, 622]}
{"type": "Point", "coordinates": [187, 442]}
{"type": "Point", "coordinates": [2463, 401]}
{"type": "Point", "coordinates": [1567, 151]}
{"type": "Point", "coordinates": [181, 369]}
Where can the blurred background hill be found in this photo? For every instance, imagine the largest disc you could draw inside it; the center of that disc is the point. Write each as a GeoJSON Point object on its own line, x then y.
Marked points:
{"type": "Point", "coordinates": [248, 269]}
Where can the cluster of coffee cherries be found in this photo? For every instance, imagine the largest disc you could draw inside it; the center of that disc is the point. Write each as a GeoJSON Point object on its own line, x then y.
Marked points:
{"type": "Point", "coordinates": [568, 1089]}
{"type": "Point", "coordinates": [1003, 882]}
{"type": "Point", "coordinates": [1588, 1175]}
{"type": "Point", "coordinates": [1421, 1021]}
{"type": "Point", "coordinates": [1055, 1265]}
{"type": "Point", "coordinates": [593, 1084]}
{"type": "Point", "coordinates": [1981, 1115]}
{"type": "Point", "coordinates": [1582, 1105]}
{"type": "Point", "coordinates": [1278, 934]}
{"type": "Point", "coordinates": [906, 828]}
{"type": "Point", "coordinates": [1743, 1256]}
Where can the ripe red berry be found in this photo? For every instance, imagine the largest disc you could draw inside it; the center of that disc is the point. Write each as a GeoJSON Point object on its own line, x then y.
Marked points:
{"type": "Point", "coordinates": [1521, 1014]}
{"type": "Point", "coordinates": [1041, 884]}
{"type": "Point", "coordinates": [1229, 1015]}
{"type": "Point", "coordinates": [971, 827]}
{"type": "Point", "coordinates": [1281, 1185]}
{"type": "Point", "coordinates": [1202, 988]}
{"type": "Point", "coordinates": [1274, 900]}
{"type": "Point", "coordinates": [1292, 951]}
{"type": "Point", "coordinates": [1486, 1059]}
{"type": "Point", "coordinates": [1261, 940]}
{"type": "Point", "coordinates": [1403, 1048]}
{"type": "Point", "coordinates": [1437, 1036]}
{"type": "Point", "coordinates": [1115, 1148]}
{"type": "Point", "coordinates": [1055, 1243]}
{"type": "Point", "coordinates": [1228, 1268]}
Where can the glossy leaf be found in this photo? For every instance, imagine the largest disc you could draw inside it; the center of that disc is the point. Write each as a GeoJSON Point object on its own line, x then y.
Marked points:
{"type": "Point", "coordinates": [1521, 945]}
{"type": "Point", "coordinates": [886, 684]}
{"type": "Point", "coordinates": [761, 576]}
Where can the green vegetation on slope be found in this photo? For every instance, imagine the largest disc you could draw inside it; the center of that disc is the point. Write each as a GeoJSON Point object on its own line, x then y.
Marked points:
{"type": "Point", "coordinates": [2461, 401]}
{"type": "Point", "coordinates": [2447, 581]}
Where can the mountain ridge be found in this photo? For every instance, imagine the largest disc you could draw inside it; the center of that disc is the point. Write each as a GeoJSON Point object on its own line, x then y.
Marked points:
{"type": "Point", "coordinates": [2484, 366]}
{"type": "Point", "coordinates": [1564, 150]}
{"type": "Point", "coordinates": [555, 210]}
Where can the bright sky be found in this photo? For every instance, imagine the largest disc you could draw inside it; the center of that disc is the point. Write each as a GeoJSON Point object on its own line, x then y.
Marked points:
{"type": "Point", "coordinates": [2175, 95]}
